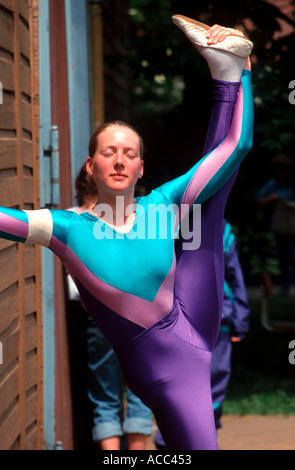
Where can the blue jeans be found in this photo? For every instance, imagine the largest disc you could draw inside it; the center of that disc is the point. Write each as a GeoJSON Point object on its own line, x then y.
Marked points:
{"type": "Point", "coordinates": [106, 392]}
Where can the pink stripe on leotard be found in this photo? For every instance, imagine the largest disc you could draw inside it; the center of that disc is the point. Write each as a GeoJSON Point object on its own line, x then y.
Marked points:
{"type": "Point", "coordinates": [14, 226]}
{"type": "Point", "coordinates": [210, 166]}
{"type": "Point", "coordinates": [126, 306]}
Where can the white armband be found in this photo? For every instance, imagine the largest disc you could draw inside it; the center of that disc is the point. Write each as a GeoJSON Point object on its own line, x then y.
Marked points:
{"type": "Point", "coordinates": [40, 227]}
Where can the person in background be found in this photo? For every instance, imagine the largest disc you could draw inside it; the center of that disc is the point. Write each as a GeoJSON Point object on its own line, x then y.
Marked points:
{"type": "Point", "coordinates": [106, 389]}
{"type": "Point", "coordinates": [277, 196]}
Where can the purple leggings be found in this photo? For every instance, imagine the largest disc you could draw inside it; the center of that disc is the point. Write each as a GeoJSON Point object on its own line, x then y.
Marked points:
{"type": "Point", "coordinates": [174, 355]}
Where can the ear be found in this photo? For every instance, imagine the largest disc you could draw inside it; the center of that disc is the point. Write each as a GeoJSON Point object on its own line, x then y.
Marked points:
{"type": "Point", "coordinates": [89, 166]}
{"type": "Point", "coordinates": [141, 170]}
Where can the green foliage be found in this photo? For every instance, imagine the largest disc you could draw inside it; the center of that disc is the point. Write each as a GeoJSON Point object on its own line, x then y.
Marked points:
{"type": "Point", "coordinates": [156, 83]}
{"type": "Point", "coordinates": [260, 394]}
{"type": "Point", "coordinates": [256, 246]}
{"type": "Point", "coordinates": [160, 56]}
{"type": "Point", "coordinates": [160, 50]}
{"type": "Point", "coordinates": [262, 379]}
{"type": "Point", "coordinates": [275, 129]}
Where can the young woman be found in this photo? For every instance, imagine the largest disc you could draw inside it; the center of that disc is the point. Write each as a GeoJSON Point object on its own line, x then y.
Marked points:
{"type": "Point", "coordinates": [159, 307]}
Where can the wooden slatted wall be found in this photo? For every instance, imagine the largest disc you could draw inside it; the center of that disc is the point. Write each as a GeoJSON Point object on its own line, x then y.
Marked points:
{"type": "Point", "coordinates": [20, 305]}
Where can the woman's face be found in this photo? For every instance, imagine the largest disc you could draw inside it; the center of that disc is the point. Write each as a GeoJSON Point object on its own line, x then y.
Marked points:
{"type": "Point", "coordinates": [116, 164]}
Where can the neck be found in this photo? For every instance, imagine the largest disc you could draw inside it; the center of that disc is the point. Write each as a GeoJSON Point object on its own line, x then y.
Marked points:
{"type": "Point", "coordinates": [115, 210]}
{"type": "Point", "coordinates": [89, 203]}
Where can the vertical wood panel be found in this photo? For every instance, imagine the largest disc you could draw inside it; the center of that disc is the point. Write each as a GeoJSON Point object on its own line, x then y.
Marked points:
{"type": "Point", "coordinates": [10, 417]}
{"type": "Point", "coordinates": [34, 55]}
{"type": "Point", "coordinates": [20, 325]}
{"type": "Point", "coordinates": [60, 117]}
{"type": "Point", "coordinates": [59, 96]}
{"type": "Point", "coordinates": [19, 127]}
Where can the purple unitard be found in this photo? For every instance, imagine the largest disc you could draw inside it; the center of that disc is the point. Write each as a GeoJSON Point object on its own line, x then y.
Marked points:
{"type": "Point", "coordinates": [179, 347]}
{"type": "Point", "coordinates": [158, 303]}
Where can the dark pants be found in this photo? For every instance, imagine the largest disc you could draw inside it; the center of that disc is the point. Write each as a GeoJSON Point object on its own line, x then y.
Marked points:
{"type": "Point", "coordinates": [220, 372]}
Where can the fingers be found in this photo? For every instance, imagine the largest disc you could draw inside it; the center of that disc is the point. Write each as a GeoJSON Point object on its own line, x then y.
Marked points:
{"type": "Point", "coordinates": [218, 33]}
{"type": "Point", "coordinates": [247, 65]}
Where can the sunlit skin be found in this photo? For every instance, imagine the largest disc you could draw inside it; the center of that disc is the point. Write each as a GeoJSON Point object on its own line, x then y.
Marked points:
{"type": "Point", "coordinates": [218, 33]}
{"type": "Point", "coordinates": [116, 166]}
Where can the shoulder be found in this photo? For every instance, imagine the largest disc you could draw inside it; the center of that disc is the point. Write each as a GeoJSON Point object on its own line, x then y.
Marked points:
{"type": "Point", "coordinates": [61, 222]}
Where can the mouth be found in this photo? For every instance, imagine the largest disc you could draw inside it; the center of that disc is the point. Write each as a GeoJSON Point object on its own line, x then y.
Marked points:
{"type": "Point", "coordinates": [118, 176]}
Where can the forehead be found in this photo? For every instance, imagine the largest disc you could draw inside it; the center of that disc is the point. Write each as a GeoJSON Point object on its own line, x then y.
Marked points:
{"type": "Point", "coordinates": [118, 135]}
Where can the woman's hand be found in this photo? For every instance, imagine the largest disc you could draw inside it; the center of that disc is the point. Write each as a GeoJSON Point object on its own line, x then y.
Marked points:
{"type": "Point", "coordinates": [247, 65]}
{"type": "Point", "coordinates": [218, 33]}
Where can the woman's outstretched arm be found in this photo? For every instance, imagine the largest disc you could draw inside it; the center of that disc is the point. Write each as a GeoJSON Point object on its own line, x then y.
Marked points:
{"type": "Point", "coordinates": [14, 225]}
{"type": "Point", "coordinates": [33, 226]}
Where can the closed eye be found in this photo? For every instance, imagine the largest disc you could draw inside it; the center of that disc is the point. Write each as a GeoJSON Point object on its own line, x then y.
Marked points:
{"type": "Point", "coordinates": [131, 154]}
{"type": "Point", "coordinates": [107, 154]}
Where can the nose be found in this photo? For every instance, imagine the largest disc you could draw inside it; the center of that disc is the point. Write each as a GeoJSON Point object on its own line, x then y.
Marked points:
{"type": "Point", "coordinates": [119, 160]}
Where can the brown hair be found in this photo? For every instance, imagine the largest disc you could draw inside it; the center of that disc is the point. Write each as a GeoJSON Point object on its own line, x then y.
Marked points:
{"type": "Point", "coordinates": [93, 140]}
{"type": "Point", "coordinates": [85, 186]}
